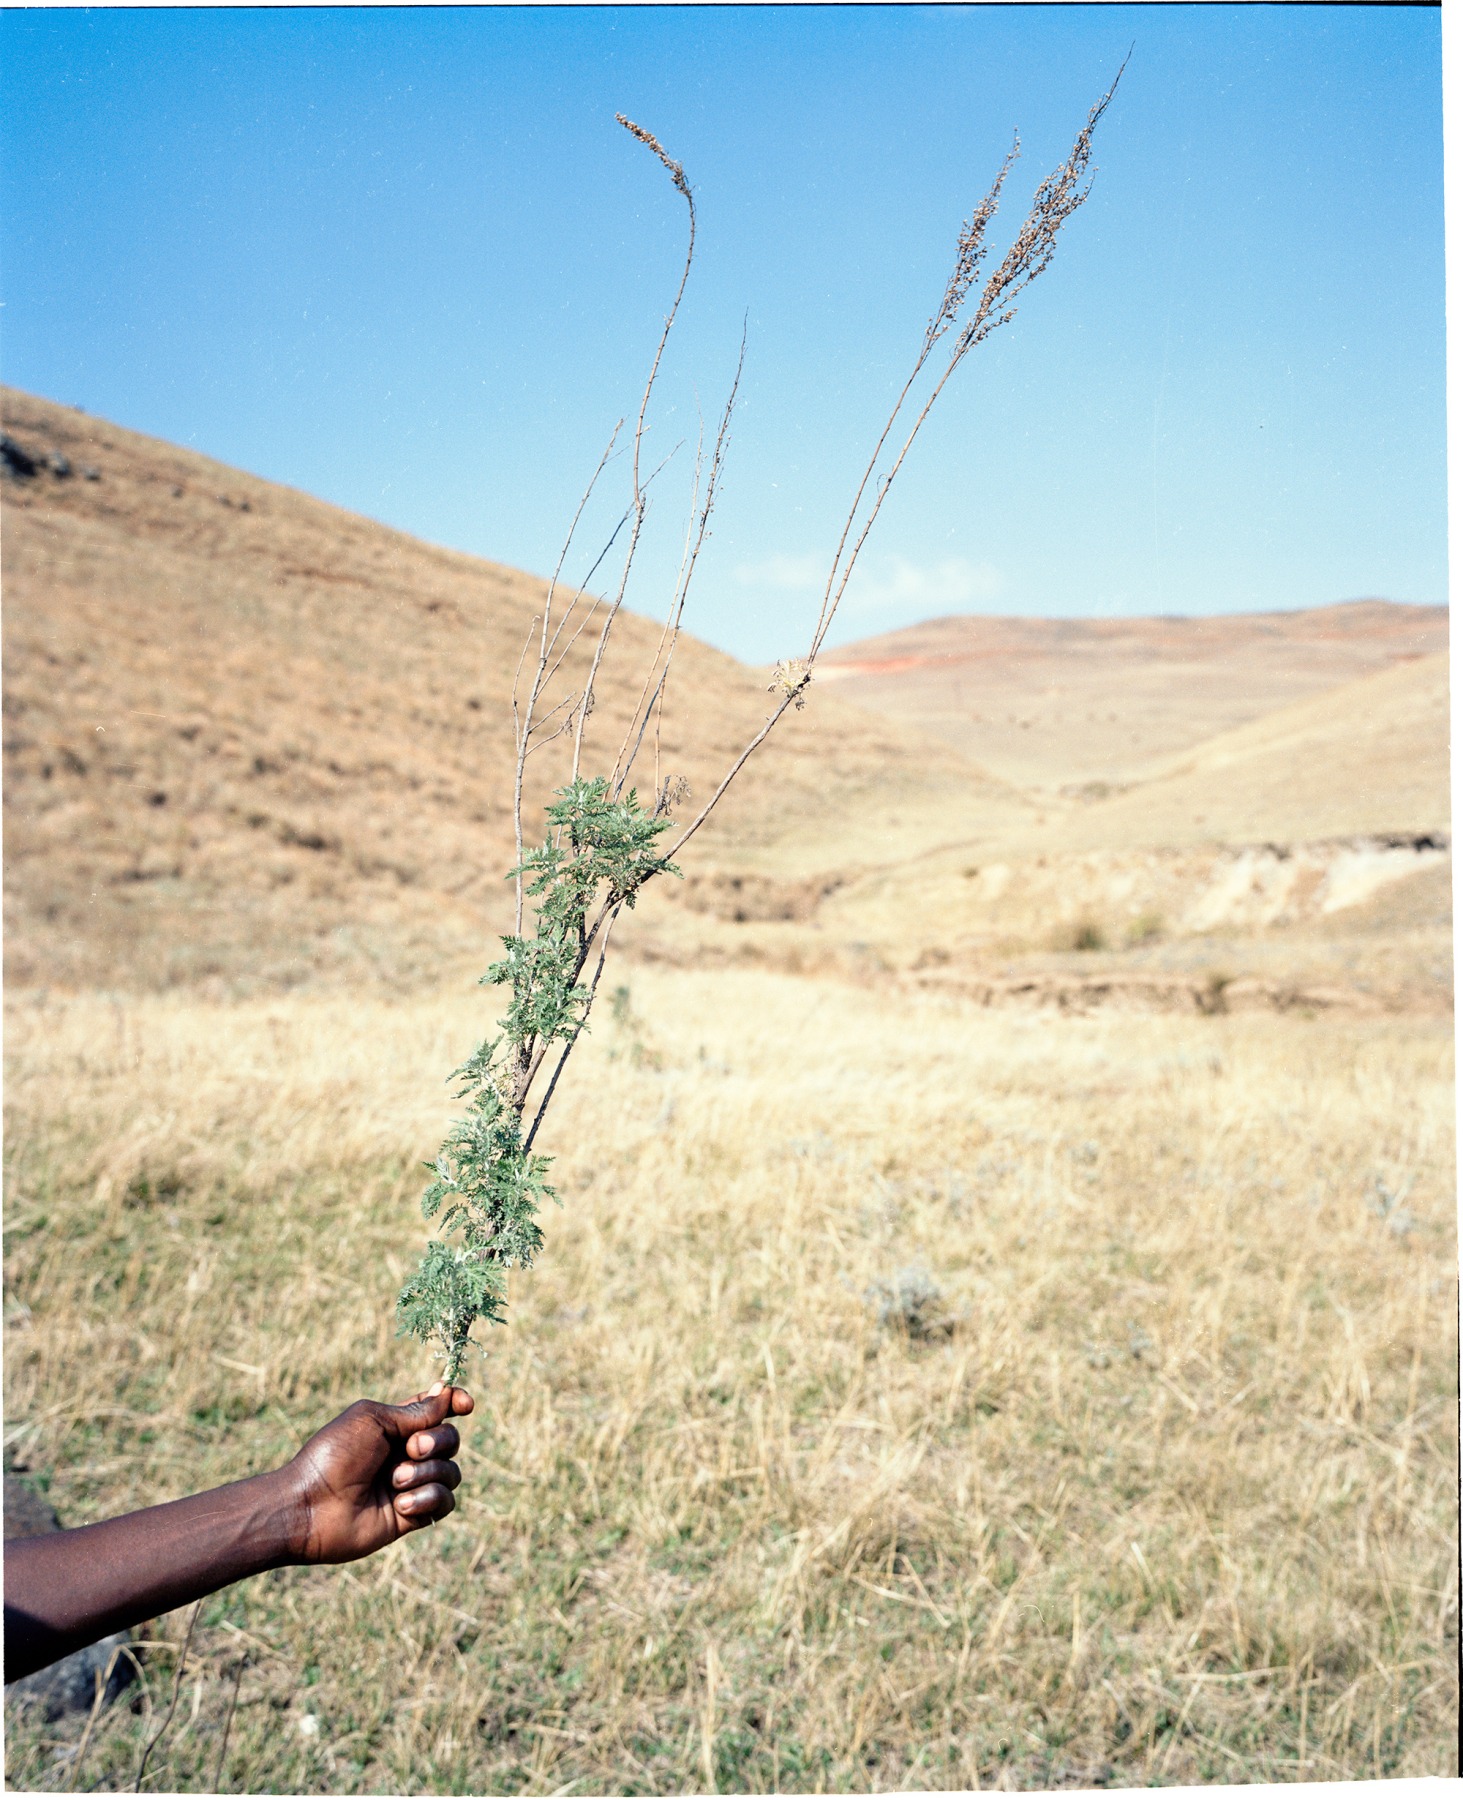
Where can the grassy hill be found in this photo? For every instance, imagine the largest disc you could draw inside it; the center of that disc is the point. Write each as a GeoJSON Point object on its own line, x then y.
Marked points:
{"type": "Point", "coordinates": [253, 740]}
{"type": "Point", "coordinates": [1060, 702]}
{"type": "Point", "coordinates": [1302, 858]}
{"type": "Point", "coordinates": [1369, 757]}
{"type": "Point", "coordinates": [252, 736]}
{"type": "Point", "coordinates": [1025, 1360]}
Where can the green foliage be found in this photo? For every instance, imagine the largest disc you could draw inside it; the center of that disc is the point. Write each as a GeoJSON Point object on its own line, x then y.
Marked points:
{"type": "Point", "coordinates": [598, 853]}
{"type": "Point", "coordinates": [594, 839]}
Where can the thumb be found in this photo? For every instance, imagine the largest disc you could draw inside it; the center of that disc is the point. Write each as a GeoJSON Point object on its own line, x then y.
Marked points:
{"type": "Point", "coordinates": [420, 1414]}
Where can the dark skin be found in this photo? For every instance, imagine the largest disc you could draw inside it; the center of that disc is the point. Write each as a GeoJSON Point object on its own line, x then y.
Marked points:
{"type": "Point", "coordinates": [375, 1474]}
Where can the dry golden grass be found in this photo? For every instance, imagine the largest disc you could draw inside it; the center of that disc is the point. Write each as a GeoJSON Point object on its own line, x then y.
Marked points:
{"type": "Point", "coordinates": [255, 740]}
{"type": "Point", "coordinates": [1168, 1494]}
{"type": "Point", "coordinates": [241, 757]}
{"type": "Point", "coordinates": [1369, 756]}
{"type": "Point", "coordinates": [1048, 703]}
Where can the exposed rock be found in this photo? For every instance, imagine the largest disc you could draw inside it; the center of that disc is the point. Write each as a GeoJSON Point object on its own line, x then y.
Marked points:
{"type": "Point", "coordinates": [16, 461]}
{"type": "Point", "coordinates": [1146, 991]}
{"type": "Point", "coordinates": [70, 1686]}
{"type": "Point", "coordinates": [909, 1302]}
{"type": "Point", "coordinates": [741, 898]}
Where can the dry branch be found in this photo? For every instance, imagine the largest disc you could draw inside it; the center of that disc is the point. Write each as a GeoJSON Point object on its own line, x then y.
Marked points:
{"type": "Point", "coordinates": [603, 845]}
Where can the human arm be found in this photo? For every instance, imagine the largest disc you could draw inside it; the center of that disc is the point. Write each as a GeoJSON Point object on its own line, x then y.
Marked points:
{"type": "Point", "coordinates": [369, 1477]}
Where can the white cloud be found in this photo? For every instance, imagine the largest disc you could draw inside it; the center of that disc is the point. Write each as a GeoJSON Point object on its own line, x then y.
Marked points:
{"type": "Point", "coordinates": [894, 586]}
{"type": "Point", "coordinates": [784, 574]}
{"type": "Point", "coordinates": [887, 586]}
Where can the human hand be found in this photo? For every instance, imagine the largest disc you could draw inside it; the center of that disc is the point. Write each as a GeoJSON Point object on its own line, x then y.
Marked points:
{"type": "Point", "coordinates": [375, 1474]}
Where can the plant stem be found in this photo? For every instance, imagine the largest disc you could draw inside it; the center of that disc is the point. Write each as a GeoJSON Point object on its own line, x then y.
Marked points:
{"type": "Point", "coordinates": [161, 1731]}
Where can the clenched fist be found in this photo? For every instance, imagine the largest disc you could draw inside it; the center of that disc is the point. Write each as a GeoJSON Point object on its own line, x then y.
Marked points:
{"type": "Point", "coordinates": [376, 1473]}
{"type": "Point", "coordinates": [364, 1480]}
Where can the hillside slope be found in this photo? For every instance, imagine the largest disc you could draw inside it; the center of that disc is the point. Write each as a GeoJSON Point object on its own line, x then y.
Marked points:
{"type": "Point", "coordinates": [253, 740]}
{"type": "Point", "coordinates": [1308, 850]}
{"type": "Point", "coordinates": [252, 736]}
{"type": "Point", "coordinates": [1058, 702]}
{"type": "Point", "coordinates": [1369, 757]}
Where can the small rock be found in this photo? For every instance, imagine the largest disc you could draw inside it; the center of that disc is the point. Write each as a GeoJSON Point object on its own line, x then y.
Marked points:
{"type": "Point", "coordinates": [908, 1303]}
{"type": "Point", "coordinates": [70, 1686]}
{"type": "Point", "coordinates": [15, 461]}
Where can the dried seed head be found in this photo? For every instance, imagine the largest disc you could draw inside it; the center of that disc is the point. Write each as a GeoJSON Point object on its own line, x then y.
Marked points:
{"type": "Point", "coordinates": [652, 142]}
{"type": "Point", "coordinates": [1054, 202]}
{"type": "Point", "coordinates": [970, 250]}
{"type": "Point", "coordinates": [791, 677]}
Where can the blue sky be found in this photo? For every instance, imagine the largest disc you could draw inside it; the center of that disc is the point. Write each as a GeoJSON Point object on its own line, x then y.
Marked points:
{"type": "Point", "coordinates": [406, 260]}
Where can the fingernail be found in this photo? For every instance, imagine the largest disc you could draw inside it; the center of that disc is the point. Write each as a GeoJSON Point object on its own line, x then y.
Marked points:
{"type": "Point", "coordinates": [432, 1392]}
